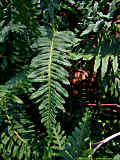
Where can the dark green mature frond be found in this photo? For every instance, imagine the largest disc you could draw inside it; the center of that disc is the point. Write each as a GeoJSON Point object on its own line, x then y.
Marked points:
{"type": "Point", "coordinates": [50, 73]}
{"type": "Point", "coordinates": [78, 143]}
{"type": "Point", "coordinates": [17, 80]}
{"type": "Point", "coordinates": [18, 137]}
{"type": "Point", "coordinates": [9, 89]}
{"type": "Point", "coordinates": [17, 134]}
{"type": "Point", "coordinates": [15, 86]}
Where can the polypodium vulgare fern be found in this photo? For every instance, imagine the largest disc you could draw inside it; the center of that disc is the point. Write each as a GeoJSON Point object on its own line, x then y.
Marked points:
{"type": "Point", "coordinates": [49, 71]}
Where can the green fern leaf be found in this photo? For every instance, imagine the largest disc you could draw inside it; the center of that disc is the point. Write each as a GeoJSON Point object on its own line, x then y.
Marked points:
{"type": "Point", "coordinates": [17, 132]}
{"type": "Point", "coordinates": [77, 145]}
{"type": "Point", "coordinates": [49, 71]}
{"type": "Point", "coordinates": [58, 138]}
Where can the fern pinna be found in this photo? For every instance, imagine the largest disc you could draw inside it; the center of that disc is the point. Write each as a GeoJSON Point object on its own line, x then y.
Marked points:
{"type": "Point", "coordinates": [50, 73]}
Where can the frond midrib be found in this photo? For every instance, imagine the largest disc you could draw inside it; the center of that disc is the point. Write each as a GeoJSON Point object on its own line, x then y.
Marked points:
{"type": "Point", "coordinates": [49, 68]}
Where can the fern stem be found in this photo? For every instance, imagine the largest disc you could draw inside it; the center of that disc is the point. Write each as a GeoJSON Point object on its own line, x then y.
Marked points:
{"type": "Point", "coordinates": [49, 68]}
{"type": "Point", "coordinates": [19, 137]}
{"type": "Point", "coordinates": [15, 132]}
{"type": "Point", "coordinates": [99, 144]}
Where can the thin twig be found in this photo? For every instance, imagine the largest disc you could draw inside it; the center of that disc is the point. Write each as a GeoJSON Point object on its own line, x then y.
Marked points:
{"type": "Point", "coordinates": [103, 142]}
{"type": "Point", "coordinates": [115, 105]}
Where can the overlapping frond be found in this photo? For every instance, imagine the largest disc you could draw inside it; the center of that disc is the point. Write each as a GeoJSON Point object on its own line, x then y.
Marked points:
{"type": "Point", "coordinates": [17, 131]}
{"type": "Point", "coordinates": [59, 138]}
{"type": "Point", "coordinates": [78, 142]}
{"type": "Point", "coordinates": [17, 134]}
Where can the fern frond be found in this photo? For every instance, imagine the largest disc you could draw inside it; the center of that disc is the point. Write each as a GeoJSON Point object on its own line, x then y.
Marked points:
{"type": "Point", "coordinates": [15, 86]}
{"type": "Point", "coordinates": [49, 72]}
{"type": "Point", "coordinates": [58, 138]}
{"type": "Point", "coordinates": [77, 144]}
{"type": "Point", "coordinates": [18, 137]}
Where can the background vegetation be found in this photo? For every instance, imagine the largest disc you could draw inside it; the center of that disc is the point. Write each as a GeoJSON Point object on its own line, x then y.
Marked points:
{"type": "Point", "coordinates": [59, 79]}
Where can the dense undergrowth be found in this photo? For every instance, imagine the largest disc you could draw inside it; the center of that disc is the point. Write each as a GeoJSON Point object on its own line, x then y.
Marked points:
{"type": "Point", "coordinates": [59, 79]}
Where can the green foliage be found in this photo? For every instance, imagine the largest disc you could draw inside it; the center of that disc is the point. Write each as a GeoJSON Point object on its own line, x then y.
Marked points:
{"type": "Point", "coordinates": [117, 157]}
{"type": "Point", "coordinates": [78, 143]}
{"type": "Point", "coordinates": [58, 138]}
{"type": "Point", "coordinates": [17, 135]}
{"type": "Point", "coordinates": [97, 28]}
{"type": "Point", "coordinates": [108, 69]}
{"type": "Point", "coordinates": [15, 33]}
{"type": "Point", "coordinates": [109, 73]}
{"type": "Point", "coordinates": [40, 42]}
{"type": "Point", "coordinates": [49, 71]}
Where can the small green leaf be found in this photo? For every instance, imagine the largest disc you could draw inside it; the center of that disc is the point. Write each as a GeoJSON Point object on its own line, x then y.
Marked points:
{"type": "Point", "coordinates": [75, 56]}
{"type": "Point", "coordinates": [16, 99]}
{"type": "Point", "coordinates": [39, 92]}
{"type": "Point", "coordinates": [98, 25]}
{"type": "Point", "coordinates": [97, 63]}
{"type": "Point", "coordinates": [88, 29]}
{"type": "Point", "coordinates": [115, 63]}
{"type": "Point", "coordinates": [15, 150]}
{"type": "Point", "coordinates": [87, 57]}
{"type": "Point", "coordinates": [104, 67]}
